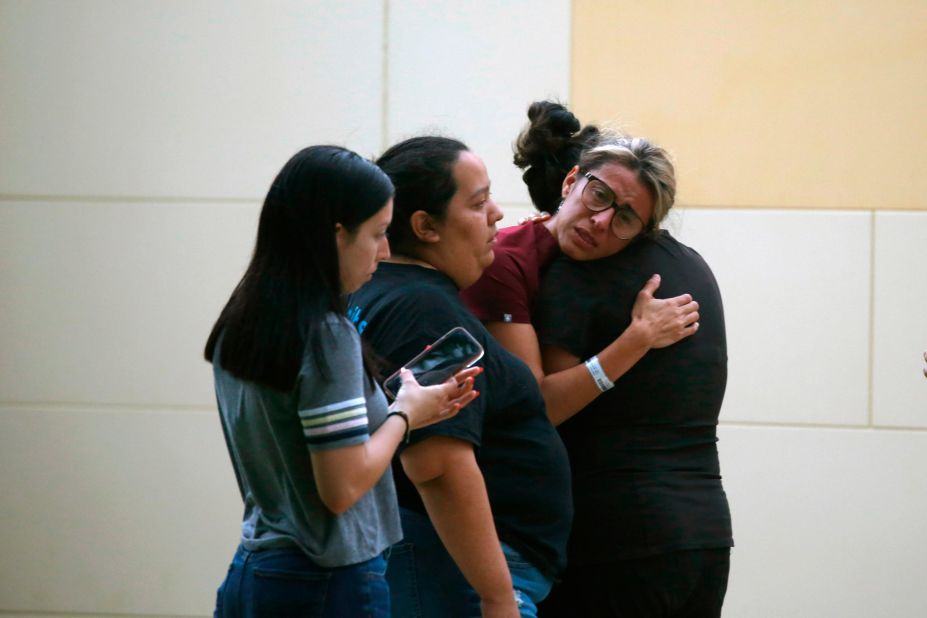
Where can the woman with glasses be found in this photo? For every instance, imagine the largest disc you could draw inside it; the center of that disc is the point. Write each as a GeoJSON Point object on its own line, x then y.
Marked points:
{"type": "Point", "coordinates": [604, 191]}
{"type": "Point", "coordinates": [308, 431]}
{"type": "Point", "coordinates": [652, 528]}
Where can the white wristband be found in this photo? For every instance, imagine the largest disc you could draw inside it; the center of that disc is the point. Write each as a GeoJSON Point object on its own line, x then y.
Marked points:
{"type": "Point", "coordinates": [595, 370]}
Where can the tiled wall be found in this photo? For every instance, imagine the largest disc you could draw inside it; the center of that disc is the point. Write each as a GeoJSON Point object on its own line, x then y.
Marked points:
{"type": "Point", "coordinates": [823, 442]}
{"type": "Point", "coordinates": [777, 114]}
{"type": "Point", "coordinates": [136, 141]}
{"type": "Point", "coordinates": [797, 103]}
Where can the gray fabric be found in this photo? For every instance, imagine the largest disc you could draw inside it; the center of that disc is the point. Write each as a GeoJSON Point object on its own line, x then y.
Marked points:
{"type": "Point", "coordinates": [270, 455]}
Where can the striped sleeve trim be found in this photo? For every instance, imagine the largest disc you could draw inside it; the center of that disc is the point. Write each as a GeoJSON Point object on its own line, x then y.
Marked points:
{"type": "Point", "coordinates": [336, 424]}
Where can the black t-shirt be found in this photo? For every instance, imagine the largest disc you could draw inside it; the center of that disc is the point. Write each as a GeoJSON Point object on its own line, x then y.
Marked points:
{"type": "Point", "coordinates": [524, 463]}
{"type": "Point", "coordinates": [646, 478]}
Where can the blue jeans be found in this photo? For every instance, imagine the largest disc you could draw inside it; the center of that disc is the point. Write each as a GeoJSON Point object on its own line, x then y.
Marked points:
{"type": "Point", "coordinates": [285, 582]}
{"type": "Point", "coordinates": [425, 583]}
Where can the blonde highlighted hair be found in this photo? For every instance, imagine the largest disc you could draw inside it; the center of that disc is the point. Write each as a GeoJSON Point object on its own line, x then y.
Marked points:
{"type": "Point", "coordinates": [651, 162]}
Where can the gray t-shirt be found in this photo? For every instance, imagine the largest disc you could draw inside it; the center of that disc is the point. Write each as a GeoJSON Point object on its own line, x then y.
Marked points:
{"type": "Point", "coordinates": [270, 435]}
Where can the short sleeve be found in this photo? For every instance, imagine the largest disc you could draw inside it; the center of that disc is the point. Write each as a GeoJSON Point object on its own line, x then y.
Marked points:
{"type": "Point", "coordinates": [563, 308]}
{"type": "Point", "coordinates": [501, 294]}
{"type": "Point", "coordinates": [415, 319]}
{"type": "Point", "coordinates": [331, 404]}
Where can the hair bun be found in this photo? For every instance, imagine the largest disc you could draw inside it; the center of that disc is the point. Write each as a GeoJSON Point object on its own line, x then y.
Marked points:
{"type": "Point", "coordinates": [548, 148]}
{"type": "Point", "coordinates": [558, 119]}
{"type": "Point", "coordinates": [550, 127]}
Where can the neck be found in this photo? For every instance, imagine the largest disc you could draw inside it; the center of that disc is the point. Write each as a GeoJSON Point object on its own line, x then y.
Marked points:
{"type": "Point", "coordinates": [552, 224]}
{"type": "Point", "coordinates": [404, 259]}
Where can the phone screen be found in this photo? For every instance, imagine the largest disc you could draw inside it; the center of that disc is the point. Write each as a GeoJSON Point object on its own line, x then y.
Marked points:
{"type": "Point", "coordinates": [456, 350]}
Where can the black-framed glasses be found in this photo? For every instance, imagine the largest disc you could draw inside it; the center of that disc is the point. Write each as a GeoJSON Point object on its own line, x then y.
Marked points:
{"type": "Point", "coordinates": [598, 196]}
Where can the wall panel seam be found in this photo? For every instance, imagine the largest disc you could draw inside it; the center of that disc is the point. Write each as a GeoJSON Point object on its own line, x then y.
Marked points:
{"type": "Point", "coordinates": [872, 304]}
{"type": "Point", "coordinates": [50, 614]}
{"type": "Point", "coordinates": [132, 199]}
{"type": "Point", "coordinates": [384, 99]}
{"type": "Point", "coordinates": [92, 407]}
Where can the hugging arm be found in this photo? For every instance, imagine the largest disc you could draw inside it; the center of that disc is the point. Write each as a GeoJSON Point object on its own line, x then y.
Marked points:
{"type": "Point", "coordinates": [568, 388]}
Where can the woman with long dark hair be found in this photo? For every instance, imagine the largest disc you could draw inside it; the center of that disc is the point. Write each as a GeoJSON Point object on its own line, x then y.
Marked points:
{"type": "Point", "coordinates": [308, 430]}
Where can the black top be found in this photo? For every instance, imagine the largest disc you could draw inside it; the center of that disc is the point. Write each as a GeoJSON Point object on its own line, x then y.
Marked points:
{"type": "Point", "coordinates": [524, 463]}
{"type": "Point", "coordinates": [646, 478]}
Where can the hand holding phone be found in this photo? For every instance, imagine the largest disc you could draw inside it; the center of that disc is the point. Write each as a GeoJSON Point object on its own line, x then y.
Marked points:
{"type": "Point", "coordinates": [455, 350]}
{"type": "Point", "coordinates": [426, 405]}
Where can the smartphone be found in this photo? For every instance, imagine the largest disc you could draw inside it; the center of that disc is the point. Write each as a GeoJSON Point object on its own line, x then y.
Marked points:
{"type": "Point", "coordinates": [457, 349]}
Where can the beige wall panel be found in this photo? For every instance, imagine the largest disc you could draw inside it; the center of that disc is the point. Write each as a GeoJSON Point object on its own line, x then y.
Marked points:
{"type": "Point", "coordinates": [899, 390]}
{"type": "Point", "coordinates": [112, 302]}
{"type": "Point", "coordinates": [178, 98]}
{"type": "Point", "coordinates": [67, 615]}
{"type": "Point", "coordinates": [827, 522]}
{"type": "Point", "coordinates": [116, 511]}
{"type": "Point", "coordinates": [811, 104]}
{"type": "Point", "coordinates": [796, 288]}
{"type": "Point", "coordinates": [469, 70]}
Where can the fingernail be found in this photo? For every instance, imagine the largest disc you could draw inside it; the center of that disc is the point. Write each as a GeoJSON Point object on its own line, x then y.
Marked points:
{"type": "Point", "coordinates": [427, 347]}
{"type": "Point", "coordinates": [477, 393]}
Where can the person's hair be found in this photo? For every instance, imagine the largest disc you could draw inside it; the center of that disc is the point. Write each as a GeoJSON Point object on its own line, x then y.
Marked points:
{"type": "Point", "coordinates": [421, 169]}
{"type": "Point", "coordinates": [279, 307]}
{"type": "Point", "coordinates": [553, 143]}
{"type": "Point", "coordinates": [548, 148]}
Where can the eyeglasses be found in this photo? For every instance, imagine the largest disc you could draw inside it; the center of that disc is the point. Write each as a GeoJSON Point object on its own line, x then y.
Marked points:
{"type": "Point", "coordinates": [598, 196]}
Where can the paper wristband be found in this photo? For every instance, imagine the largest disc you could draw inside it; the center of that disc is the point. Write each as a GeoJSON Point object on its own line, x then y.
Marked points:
{"type": "Point", "coordinates": [595, 370]}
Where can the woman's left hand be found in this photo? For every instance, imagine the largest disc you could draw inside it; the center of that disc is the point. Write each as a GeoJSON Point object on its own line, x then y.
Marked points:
{"type": "Point", "coordinates": [664, 320]}
{"type": "Point", "coordinates": [426, 405]}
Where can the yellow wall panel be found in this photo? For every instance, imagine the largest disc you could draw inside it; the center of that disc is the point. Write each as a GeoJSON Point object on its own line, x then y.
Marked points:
{"type": "Point", "coordinates": [811, 104]}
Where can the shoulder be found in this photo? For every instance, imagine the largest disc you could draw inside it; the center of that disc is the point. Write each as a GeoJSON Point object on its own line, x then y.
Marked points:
{"type": "Point", "coordinates": [526, 242]}
{"type": "Point", "coordinates": [398, 291]}
{"type": "Point", "coordinates": [401, 318]}
{"type": "Point", "coordinates": [334, 346]}
{"type": "Point", "coordinates": [668, 248]}
{"type": "Point", "coordinates": [410, 283]}
{"type": "Point", "coordinates": [514, 235]}
{"type": "Point", "coordinates": [337, 328]}
{"type": "Point", "coordinates": [339, 324]}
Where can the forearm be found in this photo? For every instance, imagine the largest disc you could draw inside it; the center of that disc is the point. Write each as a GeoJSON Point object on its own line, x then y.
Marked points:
{"type": "Point", "coordinates": [568, 387]}
{"type": "Point", "coordinates": [458, 506]}
{"type": "Point", "coordinates": [344, 475]}
{"type": "Point", "coordinates": [445, 472]}
{"type": "Point", "coordinates": [379, 452]}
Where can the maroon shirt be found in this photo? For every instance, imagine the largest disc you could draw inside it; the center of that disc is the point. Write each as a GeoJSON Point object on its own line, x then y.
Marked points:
{"type": "Point", "coordinates": [508, 288]}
